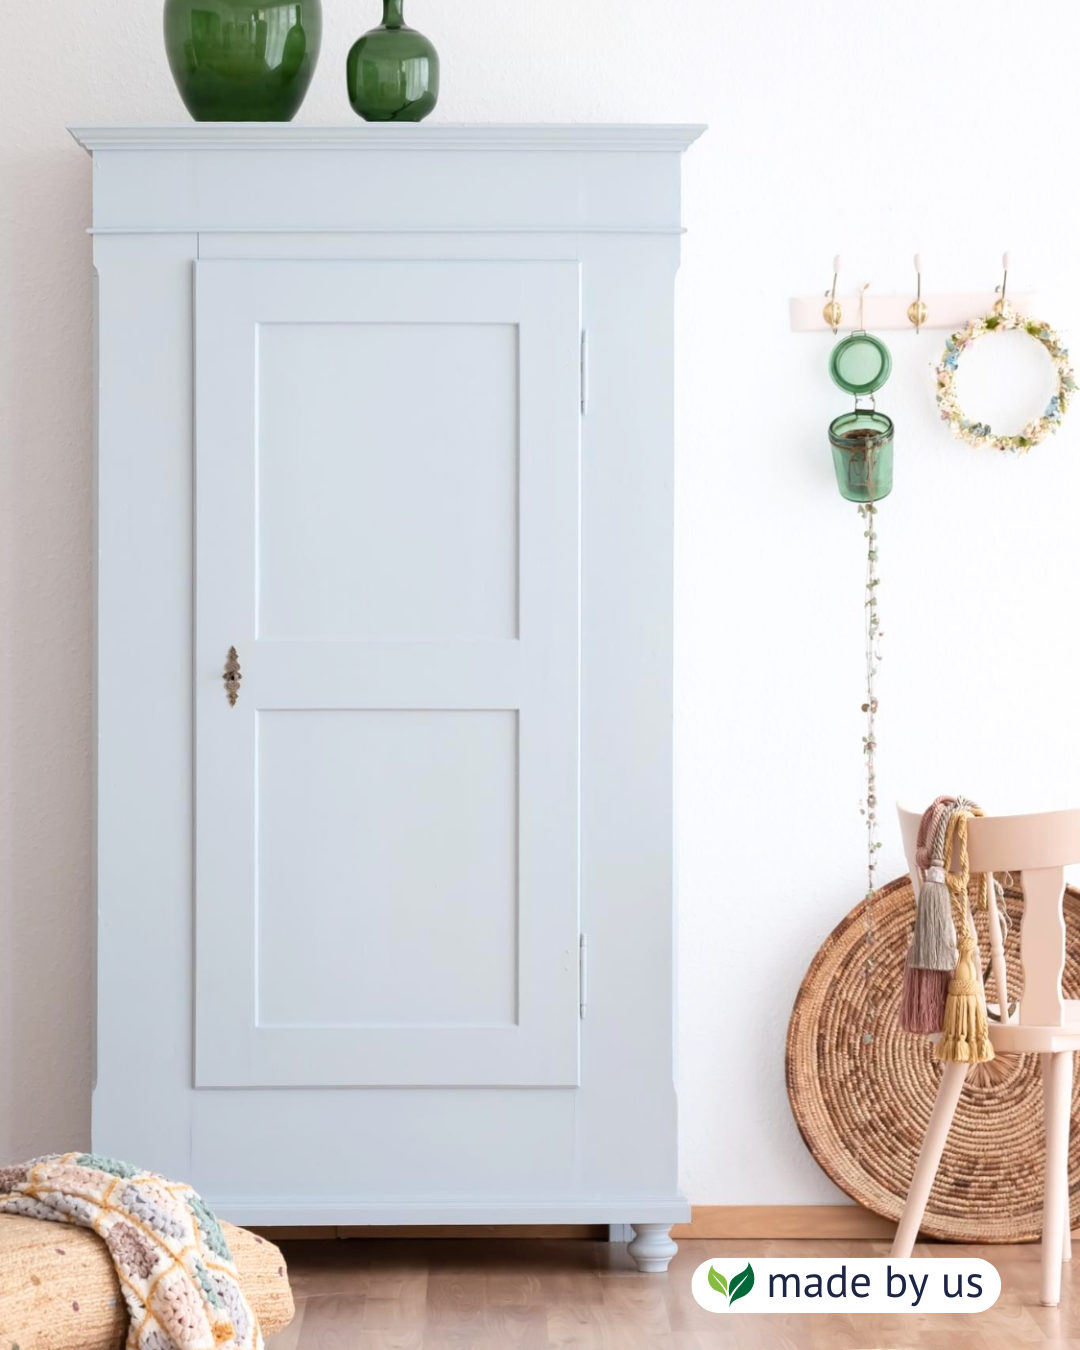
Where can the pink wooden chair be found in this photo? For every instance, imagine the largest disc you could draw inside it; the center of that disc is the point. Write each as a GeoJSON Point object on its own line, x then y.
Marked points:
{"type": "Point", "coordinates": [1037, 848]}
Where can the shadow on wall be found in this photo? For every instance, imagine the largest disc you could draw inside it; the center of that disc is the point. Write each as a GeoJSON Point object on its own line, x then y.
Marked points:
{"type": "Point", "coordinates": [46, 903]}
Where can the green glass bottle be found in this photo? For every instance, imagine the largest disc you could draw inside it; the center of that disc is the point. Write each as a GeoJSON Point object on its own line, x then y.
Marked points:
{"type": "Point", "coordinates": [243, 60]}
{"type": "Point", "coordinates": [393, 72]}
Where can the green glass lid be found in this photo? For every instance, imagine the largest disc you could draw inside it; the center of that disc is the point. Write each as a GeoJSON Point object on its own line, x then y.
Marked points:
{"type": "Point", "coordinates": [860, 364]}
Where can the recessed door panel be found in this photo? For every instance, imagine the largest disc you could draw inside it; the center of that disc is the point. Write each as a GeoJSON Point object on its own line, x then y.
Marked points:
{"type": "Point", "coordinates": [388, 481]}
{"type": "Point", "coordinates": [387, 868]}
{"type": "Point", "coordinates": [387, 811]}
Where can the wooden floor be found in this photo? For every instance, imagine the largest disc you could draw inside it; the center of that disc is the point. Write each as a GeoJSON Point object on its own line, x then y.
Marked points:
{"type": "Point", "coordinates": [583, 1295]}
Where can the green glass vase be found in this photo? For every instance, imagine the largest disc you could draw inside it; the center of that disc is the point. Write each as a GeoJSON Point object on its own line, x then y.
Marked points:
{"type": "Point", "coordinates": [243, 60]}
{"type": "Point", "coordinates": [393, 72]}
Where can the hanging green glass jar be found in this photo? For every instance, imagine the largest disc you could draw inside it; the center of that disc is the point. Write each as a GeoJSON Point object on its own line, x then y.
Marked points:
{"type": "Point", "coordinates": [392, 72]}
{"type": "Point", "coordinates": [862, 441]}
{"type": "Point", "coordinates": [862, 449]}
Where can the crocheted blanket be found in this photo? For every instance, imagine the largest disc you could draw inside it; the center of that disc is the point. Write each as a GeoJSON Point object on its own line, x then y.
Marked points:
{"type": "Point", "coordinates": [173, 1263]}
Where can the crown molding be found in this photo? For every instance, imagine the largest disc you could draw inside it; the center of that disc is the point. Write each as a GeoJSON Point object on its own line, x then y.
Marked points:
{"type": "Point", "coordinates": [578, 136]}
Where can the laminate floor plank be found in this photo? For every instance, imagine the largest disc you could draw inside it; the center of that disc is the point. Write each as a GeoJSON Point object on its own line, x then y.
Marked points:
{"type": "Point", "coordinates": [573, 1288]}
{"type": "Point", "coordinates": [327, 1267]}
{"type": "Point", "coordinates": [331, 1322]}
{"type": "Point", "coordinates": [388, 1340]}
{"type": "Point", "coordinates": [289, 1339]}
{"type": "Point", "coordinates": [593, 1327]}
{"type": "Point", "coordinates": [581, 1294]}
{"type": "Point", "coordinates": [393, 1314]}
{"type": "Point", "coordinates": [515, 1289]}
{"type": "Point", "coordinates": [456, 1302]}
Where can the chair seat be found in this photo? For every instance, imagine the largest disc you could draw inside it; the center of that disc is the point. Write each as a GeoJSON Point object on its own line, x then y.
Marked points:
{"type": "Point", "coordinates": [1017, 1039]}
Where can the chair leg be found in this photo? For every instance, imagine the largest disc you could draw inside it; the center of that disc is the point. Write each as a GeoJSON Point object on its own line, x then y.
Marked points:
{"type": "Point", "coordinates": [1057, 1070]}
{"type": "Point", "coordinates": [933, 1145]}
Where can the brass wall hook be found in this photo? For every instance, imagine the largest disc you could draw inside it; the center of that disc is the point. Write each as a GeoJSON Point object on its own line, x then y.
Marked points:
{"type": "Point", "coordinates": [833, 312]}
{"type": "Point", "coordinates": [917, 311]}
{"type": "Point", "coordinates": [1001, 305]}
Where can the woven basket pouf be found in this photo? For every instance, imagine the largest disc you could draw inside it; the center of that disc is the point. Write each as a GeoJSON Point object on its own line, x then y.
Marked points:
{"type": "Point", "coordinates": [863, 1108]}
{"type": "Point", "coordinates": [58, 1288]}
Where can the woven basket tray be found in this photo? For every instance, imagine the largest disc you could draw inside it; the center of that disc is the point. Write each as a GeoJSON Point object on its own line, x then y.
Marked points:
{"type": "Point", "coordinates": [863, 1109]}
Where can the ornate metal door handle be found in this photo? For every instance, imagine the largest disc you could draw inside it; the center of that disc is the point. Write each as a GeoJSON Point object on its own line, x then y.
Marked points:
{"type": "Point", "coordinates": [232, 677]}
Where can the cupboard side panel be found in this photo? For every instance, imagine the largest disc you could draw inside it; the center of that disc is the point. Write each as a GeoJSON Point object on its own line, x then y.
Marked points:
{"type": "Point", "coordinates": [627, 1122]}
{"type": "Point", "coordinates": [143, 677]}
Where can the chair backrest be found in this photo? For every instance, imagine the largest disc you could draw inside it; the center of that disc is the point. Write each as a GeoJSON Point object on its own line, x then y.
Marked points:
{"type": "Point", "coordinates": [1038, 848]}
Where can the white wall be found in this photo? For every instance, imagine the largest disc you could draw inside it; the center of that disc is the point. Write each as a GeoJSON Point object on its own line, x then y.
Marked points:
{"type": "Point", "coordinates": [864, 128]}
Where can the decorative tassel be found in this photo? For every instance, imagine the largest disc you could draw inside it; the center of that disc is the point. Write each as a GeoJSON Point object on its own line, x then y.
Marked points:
{"type": "Point", "coordinates": [965, 1033]}
{"type": "Point", "coordinates": [922, 999]}
{"type": "Point", "coordinates": [934, 945]}
{"type": "Point", "coordinates": [942, 990]}
{"type": "Point", "coordinates": [944, 941]}
{"type": "Point", "coordinates": [931, 958]}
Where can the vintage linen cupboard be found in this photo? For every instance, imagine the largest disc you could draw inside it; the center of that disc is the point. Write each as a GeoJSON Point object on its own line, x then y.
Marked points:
{"type": "Point", "coordinates": [384, 669]}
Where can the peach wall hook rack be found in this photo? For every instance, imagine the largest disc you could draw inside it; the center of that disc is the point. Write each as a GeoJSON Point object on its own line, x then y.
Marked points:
{"type": "Point", "coordinates": [823, 313]}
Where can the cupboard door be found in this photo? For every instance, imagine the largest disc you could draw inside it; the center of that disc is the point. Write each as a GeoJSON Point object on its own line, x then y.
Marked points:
{"type": "Point", "coordinates": [387, 484]}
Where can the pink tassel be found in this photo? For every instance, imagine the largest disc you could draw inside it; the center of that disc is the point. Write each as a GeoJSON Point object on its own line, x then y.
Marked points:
{"type": "Point", "coordinates": [922, 1000]}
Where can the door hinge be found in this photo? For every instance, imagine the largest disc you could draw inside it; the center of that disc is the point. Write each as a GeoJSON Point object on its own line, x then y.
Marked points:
{"type": "Point", "coordinates": [584, 372]}
{"type": "Point", "coordinates": [583, 961]}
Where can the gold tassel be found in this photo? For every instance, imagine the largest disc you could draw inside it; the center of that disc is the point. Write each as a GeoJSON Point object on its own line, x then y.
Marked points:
{"type": "Point", "coordinates": [965, 1032]}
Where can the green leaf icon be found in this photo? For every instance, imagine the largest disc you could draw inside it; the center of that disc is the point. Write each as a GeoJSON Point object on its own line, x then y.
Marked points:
{"type": "Point", "coordinates": [718, 1282]}
{"type": "Point", "coordinates": [741, 1284]}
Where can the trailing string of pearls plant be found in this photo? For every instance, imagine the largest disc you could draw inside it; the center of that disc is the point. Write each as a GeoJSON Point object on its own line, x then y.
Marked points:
{"type": "Point", "coordinates": [868, 807]}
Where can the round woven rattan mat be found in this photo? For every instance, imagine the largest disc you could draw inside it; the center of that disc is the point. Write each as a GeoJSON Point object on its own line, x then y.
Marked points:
{"type": "Point", "coordinates": [863, 1109]}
